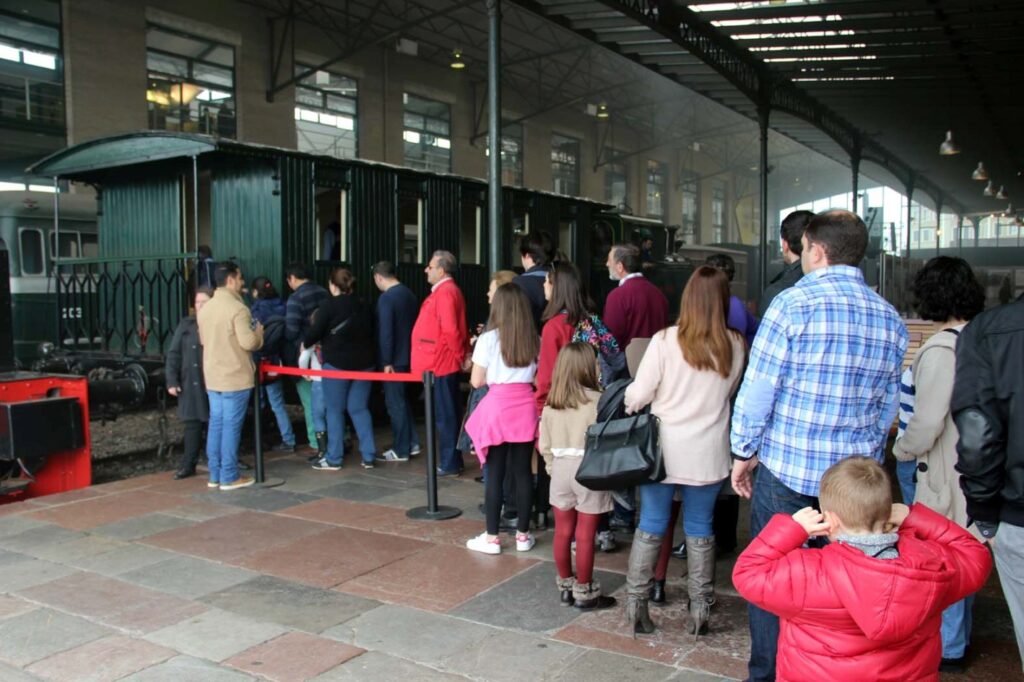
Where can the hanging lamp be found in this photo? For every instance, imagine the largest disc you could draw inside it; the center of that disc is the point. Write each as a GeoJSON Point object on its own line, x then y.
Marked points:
{"type": "Point", "coordinates": [1001, 194]}
{"type": "Point", "coordinates": [457, 62]}
{"type": "Point", "coordinates": [948, 146]}
{"type": "Point", "coordinates": [980, 173]}
{"type": "Point", "coordinates": [990, 190]}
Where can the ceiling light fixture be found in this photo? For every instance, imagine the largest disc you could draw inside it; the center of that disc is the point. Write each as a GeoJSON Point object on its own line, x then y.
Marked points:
{"type": "Point", "coordinates": [602, 110]}
{"type": "Point", "coordinates": [1001, 194]}
{"type": "Point", "coordinates": [980, 173]}
{"type": "Point", "coordinates": [990, 190]}
{"type": "Point", "coordinates": [457, 62]}
{"type": "Point", "coordinates": [948, 146]}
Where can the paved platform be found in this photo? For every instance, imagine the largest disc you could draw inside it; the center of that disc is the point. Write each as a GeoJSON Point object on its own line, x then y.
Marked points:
{"type": "Point", "coordinates": [325, 578]}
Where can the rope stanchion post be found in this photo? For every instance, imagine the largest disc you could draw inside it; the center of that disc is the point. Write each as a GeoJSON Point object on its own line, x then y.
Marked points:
{"type": "Point", "coordinates": [257, 421]}
{"type": "Point", "coordinates": [433, 511]}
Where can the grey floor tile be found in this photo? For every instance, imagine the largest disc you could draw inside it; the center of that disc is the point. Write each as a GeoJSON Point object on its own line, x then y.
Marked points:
{"type": "Point", "coordinates": [187, 669]}
{"type": "Point", "coordinates": [215, 634]}
{"type": "Point", "coordinates": [142, 526]}
{"type": "Point", "coordinates": [29, 540]}
{"type": "Point", "coordinates": [258, 499]}
{"type": "Point", "coordinates": [41, 633]}
{"type": "Point", "coordinates": [513, 657]}
{"type": "Point", "coordinates": [357, 492]}
{"type": "Point", "coordinates": [298, 606]}
{"type": "Point", "coordinates": [529, 601]}
{"type": "Point", "coordinates": [20, 575]}
{"type": "Point", "coordinates": [187, 577]}
{"type": "Point", "coordinates": [12, 674]}
{"type": "Point", "coordinates": [405, 499]}
{"type": "Point", "coordinates": [687, 675]}
{"type": "Point", "coordinates": [129, 557]}
{"type": "Point", "coordinates": [602, 665]}
{"type": "Point", "coordinates": [424, 637]}
{"type": "Point", "coordinates": [13, 525]}
{"type": "Point", "coordinates": [374, 666]}
{"type": "Point", "coordinates": [73, 549]}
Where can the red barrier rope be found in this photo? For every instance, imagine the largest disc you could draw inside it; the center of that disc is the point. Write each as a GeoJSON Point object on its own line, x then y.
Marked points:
{"type": "Point", "coordinates": [266, 369]}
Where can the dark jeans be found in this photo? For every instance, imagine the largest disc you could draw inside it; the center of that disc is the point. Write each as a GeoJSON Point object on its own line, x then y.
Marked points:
{"type": "Point", "coordinates": [403, 426]}
{"type": "Point", "coordinates": [193, 443]}
{"type": "Point", "coordinates": [448, 417]}
{"type": "Point", "coordinates": [514, 458]}
{"type": "Point", "coordinates": [770, 497]}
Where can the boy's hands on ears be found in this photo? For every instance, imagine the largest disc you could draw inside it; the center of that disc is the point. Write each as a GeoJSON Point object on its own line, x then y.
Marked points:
{"type": "Point", "coordinates": [812, 521]}
{"type": "Point", "coordinates": [897, 516]}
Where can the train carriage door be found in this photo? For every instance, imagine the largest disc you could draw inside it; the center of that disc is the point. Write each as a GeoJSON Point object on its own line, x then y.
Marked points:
{"type": "Point", "coordinates": [410, 222]}
{"type": "Point", "coordinates": [471, 228]}
{"type": "Point", "coordinates": [332, 222]}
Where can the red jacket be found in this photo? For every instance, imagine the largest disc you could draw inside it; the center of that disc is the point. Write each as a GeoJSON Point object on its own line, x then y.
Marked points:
{"type": "Point", "coordinates": [846, 616]}
{"type": "Point", "coordinates": [439, 337]}
{"type": "Point", "coordinates": [556, 334]}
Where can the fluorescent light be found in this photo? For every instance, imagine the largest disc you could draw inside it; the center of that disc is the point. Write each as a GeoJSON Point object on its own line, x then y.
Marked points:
{"type": "Point", "coordinates": [411, 136]}
{"type": "Point", "coordinates": [12, 187]}
{"type": "Point", "coordinates": [443, 143]}
{"type": "Point", "coordinates": [41, 188]}
{"type": "Point", "coordinates": [793, 34]}
{"type": "Point", "coordinates": [40, 59]}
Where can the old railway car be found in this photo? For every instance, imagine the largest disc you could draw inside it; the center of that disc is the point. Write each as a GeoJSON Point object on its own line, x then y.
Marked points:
{"type": "Point", "coordinates": [26, 231]}
{"type": "Point", "coordinates": [162, 194]}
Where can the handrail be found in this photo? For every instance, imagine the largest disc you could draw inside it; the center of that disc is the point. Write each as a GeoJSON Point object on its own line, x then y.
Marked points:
{"type": "Point", "coordinates": [126, 259]}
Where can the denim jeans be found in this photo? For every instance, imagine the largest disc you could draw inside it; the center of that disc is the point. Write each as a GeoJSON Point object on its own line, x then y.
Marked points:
{"type": "Point", "coordinates": [956, 627]}
{"type": "Point", "coordinates": [311, 394]}
{"type": "Point", "coordinates": [448, 417]}
{"type": "Point", "coordinates": [403, 426]}
{"type": "Point", "coordinates": [341, 396]}
{"type": "Point", "coordinates": [905, 475]}
{"type": "Point", "coordinates": [275, 396]}
{"type": "Point", "coordinates": [698, 501]}
{"type": "Point", "coordinates": [771, 497]}
{"type": "Point", "coordinates": [227, 413]}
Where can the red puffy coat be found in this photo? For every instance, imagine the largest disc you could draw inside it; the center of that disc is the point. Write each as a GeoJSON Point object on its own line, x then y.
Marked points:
{"type": "Point", "coordinates": [439, 337]}
{"type": "Point", "coordinates": [846, 616]}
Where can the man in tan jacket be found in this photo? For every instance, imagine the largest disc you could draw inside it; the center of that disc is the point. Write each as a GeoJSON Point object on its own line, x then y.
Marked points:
{"type": "Point", "coordinates": [229, 336]}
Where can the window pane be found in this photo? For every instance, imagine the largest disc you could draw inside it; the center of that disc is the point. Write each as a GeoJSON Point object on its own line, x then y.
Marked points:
{"type": "Point", "coordinates": [90, 246]}
{"type": "Point", "coordinates": [655, 189]}
{"type": "Point", "coordinates": [340, 104]}
{"type": "Point", "coordinates": [409, 215]}
{"type": "Point", "coordinates": [214, 75]}
{"type": "Point", "coordinates": [68, 244]}
{"type": "Point", "coordinates": [163, 63]}
{"type": "Point", "coordinates": [29, 32]}
{"type": "Point", "coordinates": [31, 246]}
{"type": "Point", "coordinates": [469, 234]}
{"type": "Point", "coordinates": [427, 134]}
{"type": "Point", "coordinates": [565, 154]}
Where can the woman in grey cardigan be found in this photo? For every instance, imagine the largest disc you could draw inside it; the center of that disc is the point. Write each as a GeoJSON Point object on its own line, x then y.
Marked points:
{"type": "Point", "coordinates": [183, 373]}
{"type": "Point", "coordinates": [946, 293]}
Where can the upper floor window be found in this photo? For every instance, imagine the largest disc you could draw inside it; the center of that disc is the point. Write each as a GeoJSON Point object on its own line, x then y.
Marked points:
{"type": "Point", "coordinates": [427, 134]}
{"type": "Point", "coordinates": [718, 213]}
{"type": "Point", "coordinates": [616, 181]}
{"type": "Point", "coordinates": [655, 189]}
{"type": "Point", "coordinates": [326, 106]}
{"type": "Point", "coordinates": [191, 83]}
{"type": "Point", "coordinates": [565, 165]}
{"type": "Point", "coordinates": [31, 67]}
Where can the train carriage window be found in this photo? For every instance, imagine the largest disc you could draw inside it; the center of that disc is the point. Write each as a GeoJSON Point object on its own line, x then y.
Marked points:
{"type": "Point", "coordinates": [69, 245]}
{"type": "Point", "coordinates": [469, 233]}
{"type": "Point", "coordinates": [30, 244]}
{"type": "Point", "coordinates": [90, 246]}
{"type": "Point", "coordinates": [410, 226]}
{"type": "Point", "coordinates": [566, 228]}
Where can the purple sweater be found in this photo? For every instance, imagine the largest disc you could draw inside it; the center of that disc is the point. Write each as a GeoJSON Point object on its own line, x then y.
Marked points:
{"type": "Point", "coordinates": [741, 320]}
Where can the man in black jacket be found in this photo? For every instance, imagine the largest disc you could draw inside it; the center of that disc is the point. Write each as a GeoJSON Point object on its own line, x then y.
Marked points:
{"type": "Point", "coordinates": [183, 374]}
{"type": "Point", "coordinates": [791, 231]}
{"type": "Point", "coordinates": [988, 408]}
{"type": "Point", "coordinates": [534, 254]}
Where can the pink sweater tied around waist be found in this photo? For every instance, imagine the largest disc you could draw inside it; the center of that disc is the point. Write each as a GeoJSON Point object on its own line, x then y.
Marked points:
{"type": "Point", "coordinates": [507, 414]}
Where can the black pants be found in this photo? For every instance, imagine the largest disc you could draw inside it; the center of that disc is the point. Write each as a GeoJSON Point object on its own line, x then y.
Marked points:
{"type": "Point", "coordinates": [514, 458]}
{"type": "Point", "coordinates": [193, 443]}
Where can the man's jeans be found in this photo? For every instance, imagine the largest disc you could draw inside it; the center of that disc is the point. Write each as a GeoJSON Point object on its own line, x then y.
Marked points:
{"type": "Point", "coordinates": [770, 497]}
{"type": "Point", "coordinates": [311, 394]}
{"type": "Point", "coordinates": [956, 628]}
{"type": "Point", "coordinates": [905, 475]}
{"type": "Point", "coordinates": [1009, 555]}
{"type": "Point", "coordinates": [403, 425]}
{"type": "Point", "coordinates": [227, 412]}
{"type": "Point", "coordinates": [448, 417]}
{"type": "Point", "coordinates": [275, 396]}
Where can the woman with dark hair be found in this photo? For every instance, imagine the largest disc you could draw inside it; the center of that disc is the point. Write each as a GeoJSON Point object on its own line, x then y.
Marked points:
{"type": "Point", "coordinates": [343, 326]}
{"type": "Point", "coordinates": [269, 310]}
{"type": "Point", "coordinates": [503, 427]}
{"type": "Point", "coordinates": [688, 376]}
{"type": "Point", "coordinates": [947, 293]}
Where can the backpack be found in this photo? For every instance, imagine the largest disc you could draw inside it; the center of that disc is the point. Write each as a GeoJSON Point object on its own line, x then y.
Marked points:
{"type": "Point", "coordinates": [611, 359]}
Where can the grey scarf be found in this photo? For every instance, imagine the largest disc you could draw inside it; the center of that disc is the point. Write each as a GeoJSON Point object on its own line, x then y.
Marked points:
{"type": "Point", "coordinates": [877, 546]}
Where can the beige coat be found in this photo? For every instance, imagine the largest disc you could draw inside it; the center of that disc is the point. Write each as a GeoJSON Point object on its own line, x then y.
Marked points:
{"type": "Point", "coordinates": [693, 406]}
{"type": "Point", "coordinates": [566, 428]}
{"type": "Point", "coordinates": [225, 329]}
{"type": "Point", "coordinates": [931, 435]}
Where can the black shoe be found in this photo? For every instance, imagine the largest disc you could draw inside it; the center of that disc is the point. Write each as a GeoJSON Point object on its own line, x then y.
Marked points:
{"type": "Point", "coordinates": [541, 521]}
{"type": "Point", "coordinates": [313, 459]}
{"type": "Point", "coordinates": [566, 598]}
{"type": "Point", "coordinates": [953, 665]}
{"type": "Point", "coordinates": [657, 592]}
{"type": "Point", "coordinates": [184, 473]}
{"type": "Point", "coordinates": [479, 479]}
{"type": "Point", "coordinates": [242, 466]}
{"type": "Point", "coordinates": [679, 551]}
{"type": "Point", "coordinates": [599, 602]}
{"type": "Point", "coordinates": [283, 447]}
{"type": "Point", "coordinates": [441, 473]}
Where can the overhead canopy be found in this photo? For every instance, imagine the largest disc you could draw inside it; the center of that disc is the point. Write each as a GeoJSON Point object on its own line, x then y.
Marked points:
{"type": "Point", "coordinates": [121, 150]}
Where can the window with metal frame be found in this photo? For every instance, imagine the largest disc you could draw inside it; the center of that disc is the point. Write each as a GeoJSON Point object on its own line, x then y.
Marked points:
{"type": "Point", "coordinates": [469, 232]}
{"type": "Point", "coordinates": [410, 227]}
{"type": "Point", "coordinates": [616, 181]}
{"type": "Point", "coordinates": [655, 189]}
{"type": "Point", "coordinates": [426, 134]}
{"type": "Point", "coordinates": [565, 165]}
{"type": "Point", "coordinates": [191, 83]}
{"type": "Point", "coordinates": [30, 249]}
{"type": "Point", "coordinates": [690, 187]}
{"type": "Point", "coordinates": [718, 213]}
{"type": "Point", "coordinates": [326, 113]}
{"type": "Point", "coordinates": [31, 65]}
{"type": "Point", "coordinates": [511, 153]}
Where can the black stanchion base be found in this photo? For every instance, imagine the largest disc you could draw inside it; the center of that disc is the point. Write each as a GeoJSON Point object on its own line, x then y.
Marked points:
{"type": "Point", "coordinates": [443, 513]}
{"type": "Point", "coordinates": [269, 482]}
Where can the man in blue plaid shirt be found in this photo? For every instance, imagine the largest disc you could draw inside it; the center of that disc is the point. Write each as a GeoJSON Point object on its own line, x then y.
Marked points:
{"type": "Point", "coordinates": [822, 385]}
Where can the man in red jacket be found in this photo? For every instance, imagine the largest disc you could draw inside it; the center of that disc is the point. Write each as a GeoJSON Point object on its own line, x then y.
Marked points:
{"type": "Point", "coordinates": [440, 344]}
{"type": "Point", "coordinates": [635, 308]}
{"type": "Point", "coordinates": [869, 605]}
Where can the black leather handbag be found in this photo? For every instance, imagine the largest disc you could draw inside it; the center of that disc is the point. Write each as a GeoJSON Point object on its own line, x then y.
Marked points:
{"type": "Point", "coordinates": [622, 453]}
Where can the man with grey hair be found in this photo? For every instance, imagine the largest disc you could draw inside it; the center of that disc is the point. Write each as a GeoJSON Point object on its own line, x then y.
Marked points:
{"type": "Point", "coordinates": [440, 344]}
{"type": "Point", "coordinates": [635, 308]}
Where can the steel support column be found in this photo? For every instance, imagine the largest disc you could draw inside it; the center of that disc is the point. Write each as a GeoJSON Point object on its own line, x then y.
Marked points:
{"type": "Point", "coordinates": [763, 112]}
{"type": "Point", "coordinates": [494, 134]}
{"type": "Point", "coordinates": [855, 171]}
{"type": "Point", "coordinates": [938, 224]}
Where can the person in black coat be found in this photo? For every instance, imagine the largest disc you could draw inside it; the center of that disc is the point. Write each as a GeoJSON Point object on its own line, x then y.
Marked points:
{"type": "Point", "coordinates": [184, 376]}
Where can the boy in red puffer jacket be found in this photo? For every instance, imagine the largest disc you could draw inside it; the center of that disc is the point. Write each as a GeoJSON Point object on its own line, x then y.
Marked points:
{"type": "Point", "coordinates": [868, 606]}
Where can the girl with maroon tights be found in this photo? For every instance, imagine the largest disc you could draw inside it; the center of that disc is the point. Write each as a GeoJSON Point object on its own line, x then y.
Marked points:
{"type": "Point", "coordinates": [571, 407]}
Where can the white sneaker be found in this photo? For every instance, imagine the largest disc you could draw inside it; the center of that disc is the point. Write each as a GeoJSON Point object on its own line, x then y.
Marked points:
{"type": "Point", "coordinates": [524, 542]}
{"type": "Point", "coordinates": [415, 451]}
{"type": "Point", "coordinates": [390, 456]}
{"type": "Point", "coordinates": [482, 543]}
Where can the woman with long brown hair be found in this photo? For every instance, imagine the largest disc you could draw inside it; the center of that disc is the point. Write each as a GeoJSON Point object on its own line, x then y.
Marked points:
{"type": "Point", "coordinates": [503, 427]}
{"type": "Point", "coordinates": [687, 376]}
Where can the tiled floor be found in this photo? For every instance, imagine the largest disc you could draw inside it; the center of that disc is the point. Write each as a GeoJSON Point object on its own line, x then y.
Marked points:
{"type": "Point", "coordinates": [325, 578]}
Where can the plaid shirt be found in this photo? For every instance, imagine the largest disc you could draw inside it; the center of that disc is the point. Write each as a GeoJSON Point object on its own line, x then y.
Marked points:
{"type": "Point", "coordinates": [823, 379]}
